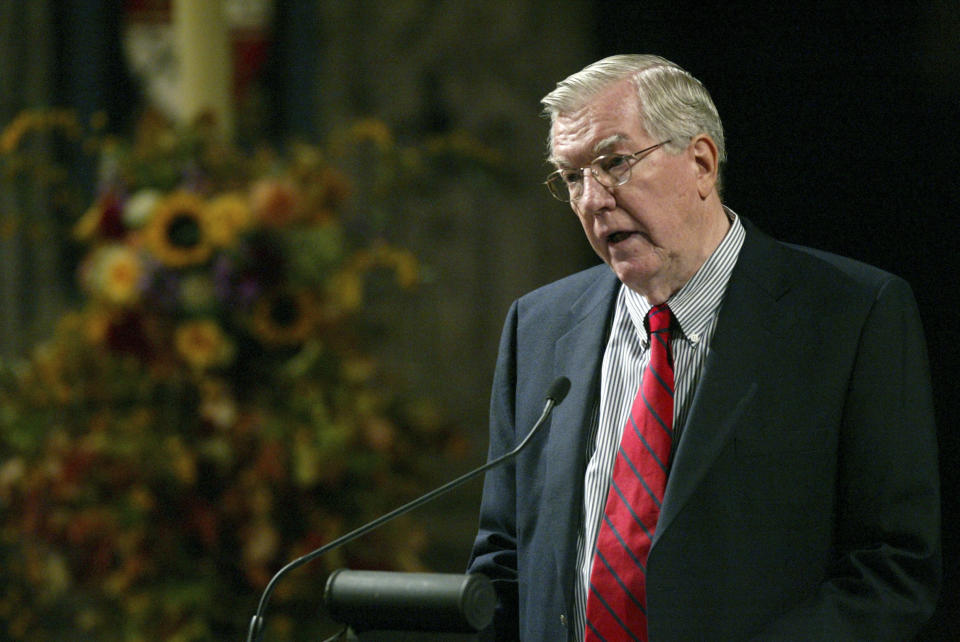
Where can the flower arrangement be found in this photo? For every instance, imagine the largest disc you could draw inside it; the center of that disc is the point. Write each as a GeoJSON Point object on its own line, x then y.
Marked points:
{"type": "Point", "coordinates": [209, 409]}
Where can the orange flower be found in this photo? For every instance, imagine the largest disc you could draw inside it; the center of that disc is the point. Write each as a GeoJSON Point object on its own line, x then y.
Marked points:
{"type": "Point", "coordinates": [276, 202]}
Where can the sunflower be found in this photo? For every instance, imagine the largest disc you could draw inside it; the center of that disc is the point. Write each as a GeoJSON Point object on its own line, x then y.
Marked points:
{"type": "Point", "coordinates": [202, 344]}
{"type": "Point", "coordinates": [285, 318]}
{"type": "Point", "coordinates": [178, 234]}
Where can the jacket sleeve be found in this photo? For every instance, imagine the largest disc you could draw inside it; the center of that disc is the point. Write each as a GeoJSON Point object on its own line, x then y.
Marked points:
{"type": "Point", "coordinates": [886, 576]}
{"type": "Point", "coordinates": [495, 548]}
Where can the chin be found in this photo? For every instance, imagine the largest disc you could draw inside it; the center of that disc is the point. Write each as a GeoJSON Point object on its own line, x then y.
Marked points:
{"type": "Point", "coordinates": [634, 274]}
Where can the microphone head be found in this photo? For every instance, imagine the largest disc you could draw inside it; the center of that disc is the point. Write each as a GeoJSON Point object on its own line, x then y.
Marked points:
{"type": "Point", "coordinates": [558, 390]}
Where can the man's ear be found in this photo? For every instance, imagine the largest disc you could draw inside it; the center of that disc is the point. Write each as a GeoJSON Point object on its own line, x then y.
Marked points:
{"type": "Point", "coordinates": [707, 161]}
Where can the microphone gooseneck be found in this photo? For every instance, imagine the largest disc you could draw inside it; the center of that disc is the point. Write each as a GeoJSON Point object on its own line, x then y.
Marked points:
{"type": "Point", "coordinates": [556, 393]}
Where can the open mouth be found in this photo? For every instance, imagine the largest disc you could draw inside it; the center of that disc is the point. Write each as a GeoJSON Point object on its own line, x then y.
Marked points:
{"type": "Point", "coordinates": [616, 237]}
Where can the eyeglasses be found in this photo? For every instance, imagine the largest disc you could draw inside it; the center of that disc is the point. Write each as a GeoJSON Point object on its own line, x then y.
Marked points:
{"type": "Point", "coordinates": [610, 170]}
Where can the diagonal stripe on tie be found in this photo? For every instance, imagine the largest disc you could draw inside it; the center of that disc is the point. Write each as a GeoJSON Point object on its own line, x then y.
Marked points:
{"type": "Point", "coordinates": [615, 615]}
{"type": "Point", "coordinates": [596, 633]}
{"type": "Point", "coordinates": [667, 388]}
{"type": "Point", "coordinates": [626, 547]}
{"type": "Point", "coordinates": [653, 414]}
{"type": "Point", "coordinates": [626, 591]}
{"type": "Point", "coordinates": [643, 482]}
{"type": "Point", "coordinates": [646, 444]}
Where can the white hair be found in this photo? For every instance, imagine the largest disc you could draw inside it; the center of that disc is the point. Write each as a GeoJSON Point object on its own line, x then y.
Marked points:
{"type": "Point", "coordinates": [673, 104]}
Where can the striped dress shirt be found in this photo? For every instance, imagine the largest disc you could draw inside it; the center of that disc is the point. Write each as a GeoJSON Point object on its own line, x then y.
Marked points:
{"type": "Point", "coordinates": [695, 308]}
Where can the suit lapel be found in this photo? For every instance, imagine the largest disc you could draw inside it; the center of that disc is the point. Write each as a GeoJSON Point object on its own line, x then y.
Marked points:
{"type": "Point", "coordinates": [746, 332]}
{"type": "Point", "coordinates": [578, 356]}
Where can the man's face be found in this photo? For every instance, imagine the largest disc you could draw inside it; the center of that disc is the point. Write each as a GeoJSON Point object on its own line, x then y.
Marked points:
{"type": "Point", "coordinates": [659, 227]}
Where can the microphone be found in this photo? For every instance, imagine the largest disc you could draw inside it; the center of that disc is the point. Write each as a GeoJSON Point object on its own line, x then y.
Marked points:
{"type": "Point", "coordinates": [555, 395]}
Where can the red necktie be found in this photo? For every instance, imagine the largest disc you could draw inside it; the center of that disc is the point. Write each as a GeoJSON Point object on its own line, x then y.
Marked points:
{"type": "Point", "coordinates": [616, 605]}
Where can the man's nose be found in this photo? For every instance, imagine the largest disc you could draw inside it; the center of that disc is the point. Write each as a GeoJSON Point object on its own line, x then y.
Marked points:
{"type": "Point", "coordinates": [595, 197]}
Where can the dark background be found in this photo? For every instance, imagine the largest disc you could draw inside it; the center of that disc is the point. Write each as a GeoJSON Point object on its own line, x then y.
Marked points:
{"type": "Point", "coordinates": [841, 127]}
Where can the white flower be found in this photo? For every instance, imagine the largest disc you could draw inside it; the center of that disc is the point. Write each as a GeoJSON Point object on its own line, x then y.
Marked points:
{"type": "Point", "coordinates": [140, 207]}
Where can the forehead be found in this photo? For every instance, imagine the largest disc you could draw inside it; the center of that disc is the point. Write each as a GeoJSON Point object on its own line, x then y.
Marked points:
{"type": "Point", "coordinates": [607, 121]}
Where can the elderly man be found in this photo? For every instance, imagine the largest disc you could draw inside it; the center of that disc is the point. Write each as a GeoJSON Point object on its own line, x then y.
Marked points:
{"type": "Point", "coordinates": [748, 447]}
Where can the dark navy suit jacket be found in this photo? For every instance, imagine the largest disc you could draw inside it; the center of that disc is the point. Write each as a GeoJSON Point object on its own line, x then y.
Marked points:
{"type": "Point", "coordinates": [802, 502]}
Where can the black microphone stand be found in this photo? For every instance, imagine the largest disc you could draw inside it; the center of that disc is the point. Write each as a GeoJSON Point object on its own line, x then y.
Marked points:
{"type": "Point", "coordinates": [558, 390]}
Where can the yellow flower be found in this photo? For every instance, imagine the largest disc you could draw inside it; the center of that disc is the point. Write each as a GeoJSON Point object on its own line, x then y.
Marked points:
{"type": "Point", "coordinates": [115, 273]}
{"type": "Point", "coordinates": [202, 344]}
{"type": "Point", "coordinates": [227, 215]}
{"type": "Point", "coordinates": [285, 318]}
{"type": "Point", "coordinates": [178, 234]}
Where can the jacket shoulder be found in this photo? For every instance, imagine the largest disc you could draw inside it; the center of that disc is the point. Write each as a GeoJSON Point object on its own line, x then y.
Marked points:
{"type": "Point", "coordinates": [841, 267]}
{"type": "Point", "coordinates": [776, 264]}
{"type": "Point", "coordinates": [569, 290]}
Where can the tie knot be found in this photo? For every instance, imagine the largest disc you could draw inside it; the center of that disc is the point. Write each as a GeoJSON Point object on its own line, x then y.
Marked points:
{"type": "Point", "coordinates": [658, 318]}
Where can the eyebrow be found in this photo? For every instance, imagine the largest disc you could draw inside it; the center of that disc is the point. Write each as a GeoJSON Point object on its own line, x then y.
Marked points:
{"type": "Point", "coordinates": [601, 147]}
{"type": "Point", "coordinates": [608, 143]}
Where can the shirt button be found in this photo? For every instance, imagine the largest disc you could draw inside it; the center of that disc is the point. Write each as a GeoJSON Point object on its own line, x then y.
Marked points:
{"type": "Point", "coordinates": [695, 337]}
{"type": "Point", "coordinates": [563, 620]}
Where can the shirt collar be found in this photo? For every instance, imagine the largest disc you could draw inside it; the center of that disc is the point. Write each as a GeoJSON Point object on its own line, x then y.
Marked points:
{"type": "Point", "coordinates": [698, 300]}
